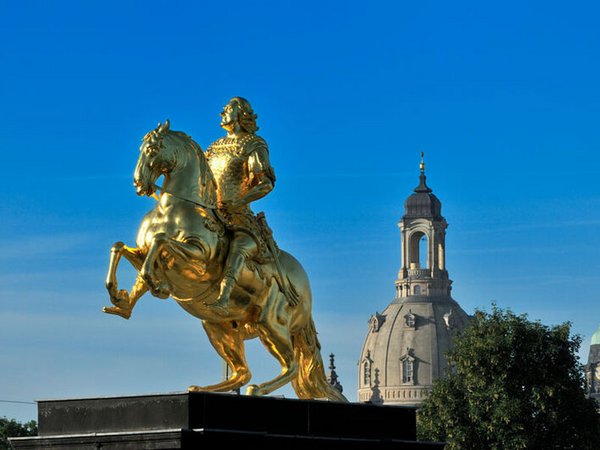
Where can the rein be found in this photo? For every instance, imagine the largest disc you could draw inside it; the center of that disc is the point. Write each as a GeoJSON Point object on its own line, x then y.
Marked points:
{"type": "Point", "coordinates": [164, 191]}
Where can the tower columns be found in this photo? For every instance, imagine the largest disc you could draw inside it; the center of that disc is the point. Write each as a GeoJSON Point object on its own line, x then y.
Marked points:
{"type": "Point", "coordinates": [422, 266]}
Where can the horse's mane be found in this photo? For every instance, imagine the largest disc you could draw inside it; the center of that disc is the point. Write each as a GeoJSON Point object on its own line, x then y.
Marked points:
{"type": "Point", "coordinates": [206, 180]}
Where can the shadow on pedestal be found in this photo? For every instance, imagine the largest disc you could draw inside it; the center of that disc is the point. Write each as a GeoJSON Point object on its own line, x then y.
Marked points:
{"type": "Point", "coordinates": [211, 421]}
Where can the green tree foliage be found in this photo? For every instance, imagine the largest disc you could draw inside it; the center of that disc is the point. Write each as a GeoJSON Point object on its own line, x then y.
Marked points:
{"type": "Point", "coordinates": [514, 384]}
{"type": "Point", "coordinates": [12, 428]}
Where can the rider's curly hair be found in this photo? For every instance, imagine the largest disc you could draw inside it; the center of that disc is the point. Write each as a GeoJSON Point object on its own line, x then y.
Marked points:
{"type": "Point", "coordinates": [247, 115]}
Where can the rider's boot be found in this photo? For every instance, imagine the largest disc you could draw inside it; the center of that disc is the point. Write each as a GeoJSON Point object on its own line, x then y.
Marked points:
{"type": "Point", "coordinates": [241, 249]}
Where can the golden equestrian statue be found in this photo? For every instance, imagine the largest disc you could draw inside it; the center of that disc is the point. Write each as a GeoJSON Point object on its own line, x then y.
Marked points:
{"type": "Point", "coordinates": [203, 246]}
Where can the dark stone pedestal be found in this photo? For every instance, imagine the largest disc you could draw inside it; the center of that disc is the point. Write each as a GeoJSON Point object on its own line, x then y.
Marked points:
{"type": "Point", "coordinates": [211, 421]}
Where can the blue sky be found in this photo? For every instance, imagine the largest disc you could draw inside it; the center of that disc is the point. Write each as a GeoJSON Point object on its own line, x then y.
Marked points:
{"type": "Point", "coordinates": [503, 98]}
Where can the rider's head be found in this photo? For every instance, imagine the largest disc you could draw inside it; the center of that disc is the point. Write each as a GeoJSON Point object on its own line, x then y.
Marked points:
{"type": "Point", "coordinates": [239, 111]}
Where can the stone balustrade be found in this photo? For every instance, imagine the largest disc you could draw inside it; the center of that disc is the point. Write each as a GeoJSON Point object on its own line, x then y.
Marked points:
{"type": "Point", "coordinates": [419, 273]}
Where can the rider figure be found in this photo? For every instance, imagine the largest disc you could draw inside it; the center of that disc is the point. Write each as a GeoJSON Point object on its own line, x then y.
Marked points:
{"type": "Point", "coordinates": [240, 164]}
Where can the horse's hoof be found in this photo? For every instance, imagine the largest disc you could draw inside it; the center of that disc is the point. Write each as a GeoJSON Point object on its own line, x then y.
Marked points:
{"type": "Point", "coordinates": [194, 388]}
{"type": "Point", "coordinates": [124, 313]}
{"type": "Point", "coordinates": [254, 390]}
{"type": "Point", "coordinates": [120, 299]}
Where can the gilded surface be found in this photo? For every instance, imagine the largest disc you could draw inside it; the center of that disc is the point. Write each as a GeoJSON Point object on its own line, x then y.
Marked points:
{"type": "Point", "coordinates": [238, 164]}
{"type": "Point", "coordinates": [202, 246]}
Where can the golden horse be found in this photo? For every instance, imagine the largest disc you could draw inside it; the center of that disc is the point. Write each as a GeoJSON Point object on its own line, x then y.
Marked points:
{"type": "Point", "coordinates": [181, 248]}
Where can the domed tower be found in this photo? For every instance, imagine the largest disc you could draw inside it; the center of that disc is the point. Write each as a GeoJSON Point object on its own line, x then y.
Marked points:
{"type": "Point", "coordinates": [592, 368]}
{"type": "Point", "coordinates": [405, 346]}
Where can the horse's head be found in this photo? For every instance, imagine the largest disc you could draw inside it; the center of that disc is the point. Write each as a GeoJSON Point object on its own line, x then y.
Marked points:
{"type": "Point", "coordinates": [156, 159]}
{"type": "Point", "coordinates": [165, 152]}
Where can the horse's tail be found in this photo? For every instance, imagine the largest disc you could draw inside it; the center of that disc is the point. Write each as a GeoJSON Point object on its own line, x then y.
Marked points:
{"type": "Point", "coordinates": [311, 382]}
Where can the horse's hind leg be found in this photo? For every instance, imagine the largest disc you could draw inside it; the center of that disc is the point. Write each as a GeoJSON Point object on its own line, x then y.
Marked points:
{"type": "Point", "coordinates": [275, 335]}
{"type": "Point", "coordinates": [229, 344]}
{"type": "Point", "coordinates": [278, 342]}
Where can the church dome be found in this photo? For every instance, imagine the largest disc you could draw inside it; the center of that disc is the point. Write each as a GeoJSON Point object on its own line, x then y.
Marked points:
{"type": "Point", "coordinates": [422, 203]}
{"type": "Point", "coordinates": [596, 337]}
{"type": "Point", "coordinates": [405, 347]}
{"type": "Point", "coordinates": [404, 351]}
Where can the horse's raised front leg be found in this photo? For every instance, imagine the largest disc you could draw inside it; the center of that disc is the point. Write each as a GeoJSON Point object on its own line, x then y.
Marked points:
{"type": "Point", "coordinates": [123, 300]}
{"type": "Point", "coordinates": [170, 249]}
{"type": "Point", "coordinates": [128, 300]}
{"type": "Point", "coordinates": [275, 336]}
{"type": "Point", "coordinates": [229, 344]}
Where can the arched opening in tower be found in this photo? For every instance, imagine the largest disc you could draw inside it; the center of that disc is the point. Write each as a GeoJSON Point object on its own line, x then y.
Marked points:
{"type": "Point", "coordinates": [418, 257]}
{"type": "Point", "coordinates": [423, 253]}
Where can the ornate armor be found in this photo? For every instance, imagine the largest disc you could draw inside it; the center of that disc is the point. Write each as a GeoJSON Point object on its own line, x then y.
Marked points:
{"type": "Point", "coordinates": [238, 163]}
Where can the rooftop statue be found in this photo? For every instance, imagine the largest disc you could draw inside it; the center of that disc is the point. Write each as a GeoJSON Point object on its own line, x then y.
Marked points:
{"type": "Point", "coordinates": [203, 246]}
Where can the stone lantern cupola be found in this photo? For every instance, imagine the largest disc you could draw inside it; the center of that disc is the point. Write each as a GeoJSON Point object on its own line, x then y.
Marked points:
{"type": "Point", "coordinates": [423, 236]}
